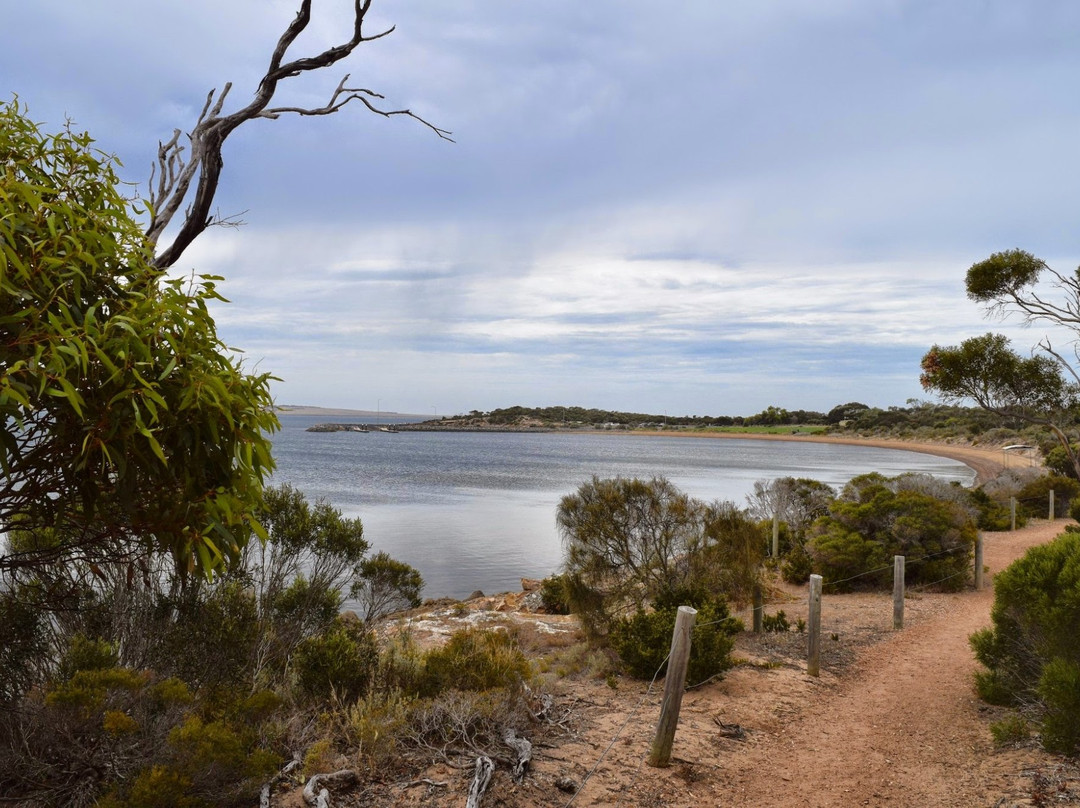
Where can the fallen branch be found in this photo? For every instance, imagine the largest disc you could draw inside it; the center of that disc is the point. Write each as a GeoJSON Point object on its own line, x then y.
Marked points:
{"type": "Point", "coordinates": [485, 768]}
{"type": "Point", "coordinates": [264, 794]}
{"type": "Point", "coordinates": [315, 792]}
{"type": "Point", "coordinates": [524, 753]}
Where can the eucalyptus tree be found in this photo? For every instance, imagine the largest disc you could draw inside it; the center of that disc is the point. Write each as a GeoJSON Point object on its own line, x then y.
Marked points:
{"type": "Point", "coordinates": [1043, 388]}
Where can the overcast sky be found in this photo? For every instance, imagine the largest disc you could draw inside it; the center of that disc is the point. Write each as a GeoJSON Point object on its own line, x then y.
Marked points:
{"type": "Point", "coordinates": [699, 207]}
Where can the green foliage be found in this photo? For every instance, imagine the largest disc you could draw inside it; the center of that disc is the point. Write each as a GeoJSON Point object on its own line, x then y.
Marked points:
{"type": "Point", "coordinates": [385, 586]}
{"type": "Point", "coordinates": [997, 378]}
{"type": "Point", "coordinates": [1002, 274]}
{"type": "Point", "coordinates": [206, 635]}
{"type": "Point", "coordinates": [991, 514]}
{"type": "Point", "coordinates": [777, 623]}
{"type": "Point", "coordinates": [643, 640]}
{"type": "Point", "coordinates": [23, 645]}
{"type": "Point", "coordinates": [1059, 691]}
{"type": "Point", "coordinates": [629, 541]}
{"type": "Point", "coordinates": [339, 662]}
{"type": "Point", "coordinates": [1032, 653]}
{"type": "Point", "coordinates": [876, 518]}
{"type": "Point", "coordinates": [126, 422]}
{"type": "Point", "coordinates": [1058, 461]}
{"type": "Point", "coordinates": [474, 660]}
{"type": "Point", "coordinates": [554, 596]}
{"type": "Point", "coordinates": [1034, 498]}
{"type": "Point", "coordinates": [1012, 730]}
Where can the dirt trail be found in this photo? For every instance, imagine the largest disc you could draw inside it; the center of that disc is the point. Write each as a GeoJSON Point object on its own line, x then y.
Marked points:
{"type": "Point", "coordinates": [901, 726]}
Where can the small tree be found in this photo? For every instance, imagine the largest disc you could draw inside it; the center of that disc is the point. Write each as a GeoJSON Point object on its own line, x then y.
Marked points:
{"type": "Point", "coordinates": [386, 585]}
{"type": "Point", "coordinates": [1041, 389]}
{"type": "Point", "coordinates": [628, 542]}
{"type": "Point", "coordinates": [126, 425]}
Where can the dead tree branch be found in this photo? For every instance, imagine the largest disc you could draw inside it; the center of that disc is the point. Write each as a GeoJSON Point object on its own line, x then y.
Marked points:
{"type": "Point", "coordinates": [174, 174]}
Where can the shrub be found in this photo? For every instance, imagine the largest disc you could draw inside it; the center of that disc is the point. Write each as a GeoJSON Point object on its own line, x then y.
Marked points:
{"type": "Point", "coordinates": [643, 640]}
{"type": "Point", "coordinates": [341, 662]}
{"type": "Point", "coordinates": [1033, 500]}
{"type": "Point", "coordinates": [554, 595]}
{"type": "Point", "coordinates": [386, 585]}
{"type": "Point", "coordinates": [1032, 652]}
{"type": "Point", "coordinates": [991, 514]}
{"type": "Point", "coordinates": [1059, 690]}
{"type": "Point", "coordinates": [876, 518]}
{"type": "Point", "coordinates": [1011, 730]}
{"type": "Point", "coordinates": [627, 541]}
{"type": "Point", "coordinates": [775, 622]}
{"type": "Point", "coordinates": [474, 660]}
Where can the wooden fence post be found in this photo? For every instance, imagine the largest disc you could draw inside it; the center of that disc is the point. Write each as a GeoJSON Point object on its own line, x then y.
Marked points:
{"type": "Point", "coordinates": [1051, 516]}
{"type": "Point", "coordinates": [978, 561]}
{"type": "Point", "coordinates": [674, 683]}
{"type": "Point", "coordinates": [759, 608]}
{"type": "Point", "coordinates": [813, 650]}
{"type": "Point", "coordinates": [1012, 512]}
{"type": "Point", "coordinates": [898, 592]}
{"type": "Point", "coordinates": [776, 535]}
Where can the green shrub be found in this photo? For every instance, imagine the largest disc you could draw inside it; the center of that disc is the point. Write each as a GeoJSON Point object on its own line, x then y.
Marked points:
{"type": "Point", "coordinates": [1059, 690]}
{"type": "Point", "coordinates": [991, 513]}
{"type": "Point", "coordinates": [386, 585]}
{"type": "Point", "coordinates": [1011, 730]}
{"type": "Point", "coordinates": [797, 565]}
{"type": "Point", "coordinates": [341, 661]}
{"type": "Point", "coordinates": [554, 596]}
{"type": "Point", "coordinates": [1033, 500]}
{"type": "Point", "coordinates": [477, 660]}
{"type": "Point", "coordinates": [1032, 650]}
{"type": "Point", "coordinates": [643, 640]}
{"type": "Point", "coordinates": [876, 518]}
{"type": "Point", "coordinates": [777, 623]}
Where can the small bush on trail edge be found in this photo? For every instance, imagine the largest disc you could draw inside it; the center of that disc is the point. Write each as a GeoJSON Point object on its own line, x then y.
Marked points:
{"type": "Point", "coordinates": [775, 622]}
{"type": "Point", "coordinates": [1032, 651]}
{"type": "Point", "coordinates": [1011, 730]}
{"type": "Point", "coordinates": [643, 640]}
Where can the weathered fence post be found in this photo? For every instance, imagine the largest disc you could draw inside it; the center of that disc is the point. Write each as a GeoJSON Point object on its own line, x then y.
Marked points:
{"type": "Point", "coordinates": [674, 683]}
{"type": "Point", "coordinates": [813, 650]}
{"type": "Point", "coordinates": [1012, 512]}
{"type": "Point", "coordinates": [759, 608]}
{"type": "Point", "coordinates": [1051, 516]}
{"type": "Point", "coordinates": [978, 561]}
{"type": "Point", "coordinates": [898, 592]}
{"type": "Point", "coordinates": [776, 535]}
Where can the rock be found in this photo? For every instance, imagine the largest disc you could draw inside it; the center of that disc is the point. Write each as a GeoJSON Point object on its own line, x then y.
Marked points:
{"type": "Point", "coordinates": [477, 594]}
{"type": "Point", "coordinates": [530, 584]}
{"type": "Point", "coordinates": [567, 784]}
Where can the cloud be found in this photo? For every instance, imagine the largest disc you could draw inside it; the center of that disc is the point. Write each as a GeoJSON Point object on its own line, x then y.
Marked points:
{"type": "Point", "coordinates": [705, 207]}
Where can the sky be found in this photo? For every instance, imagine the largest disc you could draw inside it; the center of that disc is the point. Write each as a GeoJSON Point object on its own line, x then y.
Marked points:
{"type": "Point", "coordinates": [701, 207]}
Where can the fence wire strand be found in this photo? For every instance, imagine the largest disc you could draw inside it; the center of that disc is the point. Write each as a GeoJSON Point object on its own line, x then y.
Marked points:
{"type": "Point", "coordinates": [618, 732]}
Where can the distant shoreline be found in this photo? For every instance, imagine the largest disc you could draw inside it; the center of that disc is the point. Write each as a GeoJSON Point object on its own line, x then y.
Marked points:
{"type": "Point", "coordinates": [986, 463]}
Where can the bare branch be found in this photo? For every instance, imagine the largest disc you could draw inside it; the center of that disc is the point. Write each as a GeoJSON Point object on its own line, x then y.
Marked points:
{"type": "Point", "coordinates": [204, 162]}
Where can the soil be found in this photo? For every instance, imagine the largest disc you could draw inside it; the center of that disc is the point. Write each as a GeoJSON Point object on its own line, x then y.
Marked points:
{"type": "Point", "coordinates": [891, 721]}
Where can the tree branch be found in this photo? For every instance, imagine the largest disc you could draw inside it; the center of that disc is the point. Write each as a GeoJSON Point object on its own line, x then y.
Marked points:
{"type": "Point", "coordinates": [175, 175]}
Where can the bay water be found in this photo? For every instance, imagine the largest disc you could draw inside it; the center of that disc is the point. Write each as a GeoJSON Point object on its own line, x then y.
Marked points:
{"type": "Point", "coordinates": [476, 510]}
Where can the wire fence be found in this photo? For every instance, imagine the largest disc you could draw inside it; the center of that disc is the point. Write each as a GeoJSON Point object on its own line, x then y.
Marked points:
{"type": "Point", "coordinates": [648, 692]}
{"type": "Point", "coordinates": [907, 563]}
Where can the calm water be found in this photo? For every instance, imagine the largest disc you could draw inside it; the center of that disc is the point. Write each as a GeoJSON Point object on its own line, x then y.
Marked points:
{"type": "Point", "coordinates": [477, 510]}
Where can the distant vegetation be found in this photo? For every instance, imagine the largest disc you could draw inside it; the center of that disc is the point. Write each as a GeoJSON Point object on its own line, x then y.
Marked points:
{"type": "Point", "coordinates": [918, 420]}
